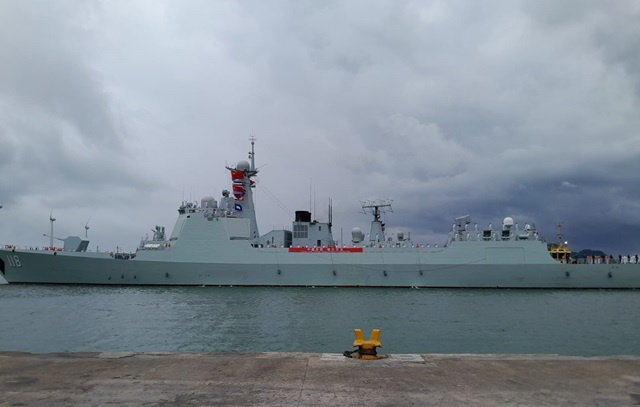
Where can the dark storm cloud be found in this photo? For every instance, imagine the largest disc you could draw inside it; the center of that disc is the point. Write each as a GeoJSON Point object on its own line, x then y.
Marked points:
{"type": "Point", "coordinates": [62, 143]}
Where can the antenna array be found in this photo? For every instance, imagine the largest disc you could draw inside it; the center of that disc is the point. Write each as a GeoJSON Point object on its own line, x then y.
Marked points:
{"type": "Point", "coordinates": [376, 207]}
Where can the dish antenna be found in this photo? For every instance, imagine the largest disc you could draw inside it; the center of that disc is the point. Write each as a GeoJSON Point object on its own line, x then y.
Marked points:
{"type": "Point", "coordinates": [86, 227]}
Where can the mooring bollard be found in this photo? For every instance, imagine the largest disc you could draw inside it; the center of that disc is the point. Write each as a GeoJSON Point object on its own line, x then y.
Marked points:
{"type": "Point", "coordinates": [366, 349]}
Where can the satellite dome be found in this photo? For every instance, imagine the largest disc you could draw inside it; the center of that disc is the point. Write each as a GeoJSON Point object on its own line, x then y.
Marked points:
{"type": "Point", "coordinates": [243, 166]}
{"type": "Point", "coordinates": [357, 235]}
{"type": "Point", "coordinates": [508, 221]}
{"type": "Point", "coordinates": [208, 202]}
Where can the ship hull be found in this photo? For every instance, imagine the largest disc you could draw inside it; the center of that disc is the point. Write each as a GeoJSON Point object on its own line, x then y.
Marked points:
{"type": "Point", "coordinates": [279, 268]}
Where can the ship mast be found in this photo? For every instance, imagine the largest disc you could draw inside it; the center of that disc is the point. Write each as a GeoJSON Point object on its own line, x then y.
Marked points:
{"type": "Point", "coordinates": [51, 220]}
{"type": "Point", "coordinates": [376, 207]}
{"type": "Point", "coordinates": [559, 227]}
{"type": "Point", "coordinates": [242, 204]}
{"type": "Point", "coordinates": [560, 251]}
{"type": "Point", "coordinates": [252, 154]}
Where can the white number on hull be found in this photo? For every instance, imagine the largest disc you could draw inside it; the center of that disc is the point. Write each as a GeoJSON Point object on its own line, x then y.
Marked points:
{"type": "Point", "coordinates": [14, 260]}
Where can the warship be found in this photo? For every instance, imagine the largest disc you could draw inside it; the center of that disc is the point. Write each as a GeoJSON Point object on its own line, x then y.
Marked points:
{"type": "Point", "coordinates": [218, 244]}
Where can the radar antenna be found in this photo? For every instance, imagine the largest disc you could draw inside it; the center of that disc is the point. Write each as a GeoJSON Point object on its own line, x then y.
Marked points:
{"type": "Point", "coordinates": [376, 207]}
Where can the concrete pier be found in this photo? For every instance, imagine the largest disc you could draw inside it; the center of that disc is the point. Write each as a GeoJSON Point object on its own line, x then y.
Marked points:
{"type": "Point", "coordinates": [301, 379]}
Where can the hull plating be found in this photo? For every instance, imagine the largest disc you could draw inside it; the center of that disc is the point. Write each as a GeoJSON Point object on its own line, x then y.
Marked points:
{"type": "Point", "coordinates": [304, 270]}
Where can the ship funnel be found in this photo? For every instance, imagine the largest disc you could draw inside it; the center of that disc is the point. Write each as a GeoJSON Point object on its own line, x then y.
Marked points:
{"type": "Point", "coordinates": [303, 216]}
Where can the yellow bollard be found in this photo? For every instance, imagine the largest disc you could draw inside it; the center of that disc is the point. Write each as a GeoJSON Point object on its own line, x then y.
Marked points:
{"type": "Point", "coordinates": [366, 349]}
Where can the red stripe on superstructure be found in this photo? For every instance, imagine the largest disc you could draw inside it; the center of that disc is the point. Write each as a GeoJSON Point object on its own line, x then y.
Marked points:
{"type": "Point", "coordinates": [325, 250]}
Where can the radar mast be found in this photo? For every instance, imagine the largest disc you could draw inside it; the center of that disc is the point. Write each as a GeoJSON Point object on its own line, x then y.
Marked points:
{"type": "Point", "coordinates": [560, 250]}
{"type": "Point", "coordinates": [376, 207]}
{"type": "Point", "coordinates": [51, 220]}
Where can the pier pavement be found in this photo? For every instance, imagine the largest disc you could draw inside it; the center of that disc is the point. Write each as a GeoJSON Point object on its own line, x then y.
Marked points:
{"type": "Point", "coordinates": [303, 379]}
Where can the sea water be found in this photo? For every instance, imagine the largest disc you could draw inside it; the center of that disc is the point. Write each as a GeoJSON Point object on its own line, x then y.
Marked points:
{"type": "Point", "coordinates": [59, 318]}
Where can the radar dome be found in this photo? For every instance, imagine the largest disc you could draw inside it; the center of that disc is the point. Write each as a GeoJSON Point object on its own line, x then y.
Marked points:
{"type": "Point", "coordinates": [357, 235]}
{"type": "Point", "coordinates": [243, 166]}
{"type": "Point", "coordinates": [208, 202]}
{"type": "Point", "coordinates": [508, 221]}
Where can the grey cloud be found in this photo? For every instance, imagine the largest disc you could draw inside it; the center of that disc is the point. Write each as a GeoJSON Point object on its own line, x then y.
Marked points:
{"type": "Point", "coordinates": [44, 71]}
{"type": "Point", "coordinates": [526, 109]}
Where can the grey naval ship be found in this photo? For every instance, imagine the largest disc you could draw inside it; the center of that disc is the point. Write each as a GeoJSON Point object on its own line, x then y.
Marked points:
{"type": "Point", "coordinates": [218, 243]}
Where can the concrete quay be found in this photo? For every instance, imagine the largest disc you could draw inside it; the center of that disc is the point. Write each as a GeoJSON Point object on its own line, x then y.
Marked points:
{"type": "Point", "coordinates": [303, 379]}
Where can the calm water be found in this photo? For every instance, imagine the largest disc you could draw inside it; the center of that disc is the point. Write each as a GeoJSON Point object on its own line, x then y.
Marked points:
{"type": "Point", "coordinates": [43, 318]}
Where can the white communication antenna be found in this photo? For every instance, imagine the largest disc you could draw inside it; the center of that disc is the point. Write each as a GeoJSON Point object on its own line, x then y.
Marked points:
{"type": "Point", "coordinates": [51, 220]}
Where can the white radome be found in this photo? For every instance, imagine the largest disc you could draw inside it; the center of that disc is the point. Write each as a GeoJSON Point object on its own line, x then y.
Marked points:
{"type": "Point", "coordinates": [243, 166]}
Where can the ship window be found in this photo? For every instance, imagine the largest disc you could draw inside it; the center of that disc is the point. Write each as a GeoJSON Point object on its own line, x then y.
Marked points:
{"type": "Point", "coordinates": [300, 231]}
{"type": "Point", "coordinates": [319, 228]}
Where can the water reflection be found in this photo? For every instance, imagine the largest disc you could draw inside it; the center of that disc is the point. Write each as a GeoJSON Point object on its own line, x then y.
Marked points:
{"type": "Point", "coordinates": [47, 318]}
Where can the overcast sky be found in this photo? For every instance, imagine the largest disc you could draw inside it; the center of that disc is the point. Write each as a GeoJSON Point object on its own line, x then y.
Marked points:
{"type": "Point", "coordinates": [118, 110]}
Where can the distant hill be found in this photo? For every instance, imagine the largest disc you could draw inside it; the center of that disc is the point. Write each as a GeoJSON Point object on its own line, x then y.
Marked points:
{"type": "Point", "coordinates": [583, 253]}
{"type": "Point", "coordinates": [589, 252]}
